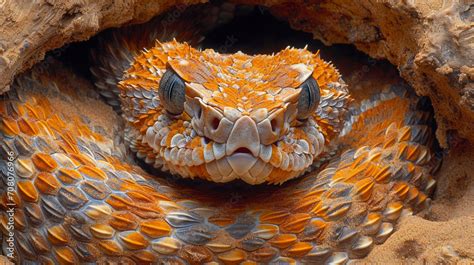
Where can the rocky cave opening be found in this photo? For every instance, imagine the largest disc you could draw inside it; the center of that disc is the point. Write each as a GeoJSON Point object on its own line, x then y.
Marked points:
{"type": "Point", "coordinates": [257, 29]}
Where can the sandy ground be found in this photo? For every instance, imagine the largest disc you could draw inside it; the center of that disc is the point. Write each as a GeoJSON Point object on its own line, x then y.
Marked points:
{"type": "Point", "coordinates": [443, 235]}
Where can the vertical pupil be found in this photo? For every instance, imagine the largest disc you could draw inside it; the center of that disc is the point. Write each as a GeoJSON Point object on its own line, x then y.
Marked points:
{"type": "Point", "coordinates": [172, 92]}
{"type": "Point", "coordinates": [309, 99]}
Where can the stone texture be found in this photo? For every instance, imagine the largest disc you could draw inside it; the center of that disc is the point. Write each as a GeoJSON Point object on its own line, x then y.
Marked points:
{"type": "Point", "coordinates": [28, 29]}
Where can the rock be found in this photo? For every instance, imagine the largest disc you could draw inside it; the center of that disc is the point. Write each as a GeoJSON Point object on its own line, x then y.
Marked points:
{"type": "Point", "coordinates": [31, 28]}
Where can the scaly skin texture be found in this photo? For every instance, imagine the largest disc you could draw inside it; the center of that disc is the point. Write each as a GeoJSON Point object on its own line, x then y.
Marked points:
{"type": "Point", "coordinates": [232, 101]}
{"type": "Point", "coordinates": [77, 199]}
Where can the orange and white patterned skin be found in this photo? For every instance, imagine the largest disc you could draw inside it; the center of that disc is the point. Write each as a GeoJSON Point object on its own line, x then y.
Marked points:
{"type": "Point", "coordinates": [233, 102]}
{"type": "Point", "coordinates": [77, 200]}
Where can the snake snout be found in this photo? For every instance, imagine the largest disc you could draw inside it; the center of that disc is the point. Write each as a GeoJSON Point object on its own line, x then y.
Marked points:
{"type": "Point", "coordinates": [243, 145]}
{"type": "Point", "coordinates": [244, 138]}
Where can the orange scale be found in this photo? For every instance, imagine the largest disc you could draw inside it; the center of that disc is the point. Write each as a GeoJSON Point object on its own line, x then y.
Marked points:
{"type": "Point", "coordinates": [67, 136]}
{"type": "Point", "coordinates": [412, 152]}
{"type": "Point", "coordinates": [233, 257]}
{"type": "Point", "coordinates": [92, 172]}
{"type": "Point", "coordinates": [110, 247]}
{"type": "Point", "coordinates": [28, 127]}
{"type": "Point", "coordinates": [18, 109]}
{"type": "Point", "coordinates": [421, 198]}
{"type": "Point", "coordinates": [82, 159]}
{"type": "Point", "coordinates": [155, 228]}
{"type": "Point", "coordinates": [382, 174]}
{"type": "Point", "coordinates": [300, 134]}
{"type": "Point", "coordinates": [121, 166]}
{"type": "Point", "coordinates": [35, 112]}
{"type": "Point", "coordinates": [8, 198]}
{"type": "Point", "coordinates": [44, 162]}
{"type": "Point", "coordinates": [283, 240]}
{"type": "Point", "coordinates": [65, 255]}
{"type": "Point", "coordinates": [319, 225]}
{"type": "Point", "coordinates": [264, 254]}
{"type": "Point", "coordinates": [123, 221]}
{"type": "Point", "coordinates": [410, 167]}
{"type": "Point", "coordinates": [299, 249]}
{"type": "Point", "coordinates": [82, 131]}
{"type": "Point", "coordinates": [9, 126]}
{"type": "Point", "coordinates": [144, 257]}
{"type": "Point", "coordinates": [211, 85]}
{"type": "Point", "coordinates": [98, 137]}
{"type": "Point", "coordinates": [44, 130]}
{"type": "Point", "coordinates": [342, 175]}
{"type": "Point", "coordinates": [319, 210]}
{"type": "Point", "coordinates": [20, 221]}
{"type": "Point", "coordinates": [119, 202]}
{"type": "Point", "coordinates": [27, 191]}
{"type": "Point", "coordinates": [315, 193]}
{"type": "Point", "coordinates": [130, 185]}
{"type": "Point", "coordinates": [67, 147]}
{"type": "Point", "coordinates": [151, 121]}
{"type": "Point", "coordinates": [304, 205]}
{"type": "Point", "coordinates": [364, 188]}
{"type": "Point", "coordinates": [139, 196]}
{"type": "Point", "coordinates": [277, 175]}
{"type": "Point", "coordinates": [147, 212]}
{"type": "Point", "coordinates": [68, 176]}
{"type": "Point", "coordinates": [274, 217]}
{"type": "Point", "coordinates": [359, 160]}
{"type": "Point", "coordinates": [47, 183]}
{"type": "Point", "coordinates": [364, 167]}
{"type": "Point", "coordinates": [194, 143]}
{"type": "Point", "coordinates": [287, 148]}
{"type": "Point", "coordinates": [404, 134]}
{"type": "Point", "coordinates": [57, 235]}
{"type": "Point", "coordinates": [201, 172]}
{"type": "Point", "coordinates": [413, 194]}
{"type": "Point", "coordinates": [371, 169]}
{"type": "Point", "coordinates": [296, 223]}
{"type": "Point", "coordinates": [160, 196]}
{"type": "Point", "coordinates": [56, 122]}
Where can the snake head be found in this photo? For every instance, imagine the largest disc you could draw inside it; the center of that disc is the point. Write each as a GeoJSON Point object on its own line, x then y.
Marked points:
{"type": "Point", "coordinates": [221, 117]}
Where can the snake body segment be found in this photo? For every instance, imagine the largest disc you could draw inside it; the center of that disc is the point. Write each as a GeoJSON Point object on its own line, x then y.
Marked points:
{"type": "Point", "coordinates": [78, 199]}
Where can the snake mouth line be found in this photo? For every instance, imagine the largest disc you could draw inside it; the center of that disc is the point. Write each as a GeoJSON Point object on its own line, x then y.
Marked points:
{"type": "Point", "coordinates": [242, 150]}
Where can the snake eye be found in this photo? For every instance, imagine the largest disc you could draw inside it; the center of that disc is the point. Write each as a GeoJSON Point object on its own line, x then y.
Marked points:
{"type": "Point", "coordinates": [171, 92]}
{"type": "Point", "coordinates": [309, 98]}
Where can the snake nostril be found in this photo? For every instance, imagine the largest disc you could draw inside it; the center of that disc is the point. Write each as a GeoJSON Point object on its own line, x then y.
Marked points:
{"type": "Point", "coordinates": [199, 112]}
{"type": "Point", "coordinates": [274, 124]}
{"type": "Point", "coordinates": [215, 123]}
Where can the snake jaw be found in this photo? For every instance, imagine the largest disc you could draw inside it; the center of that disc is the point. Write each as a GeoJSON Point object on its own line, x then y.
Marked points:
{"type": "Point", "coordinates": [242, 156]}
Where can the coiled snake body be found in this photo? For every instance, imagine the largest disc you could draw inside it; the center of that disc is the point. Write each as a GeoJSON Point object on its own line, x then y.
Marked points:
{"type": "Point", "coordinates": [358, 165]}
